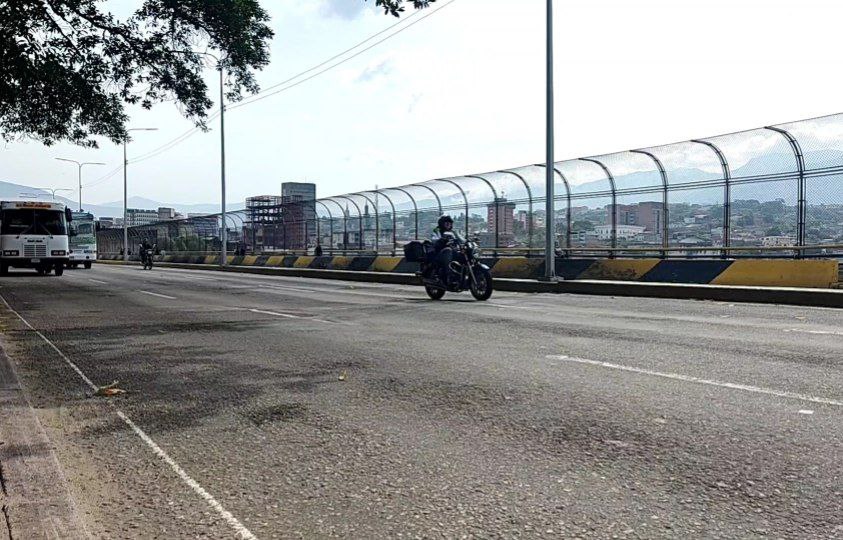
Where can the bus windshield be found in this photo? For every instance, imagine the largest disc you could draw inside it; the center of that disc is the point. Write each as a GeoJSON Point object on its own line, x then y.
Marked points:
{"type": "Point", "coordinates": [27, 221]}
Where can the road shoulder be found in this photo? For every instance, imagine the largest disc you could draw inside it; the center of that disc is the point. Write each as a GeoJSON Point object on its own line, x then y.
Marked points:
{"type": "Point", "coordinates": [36, 500]}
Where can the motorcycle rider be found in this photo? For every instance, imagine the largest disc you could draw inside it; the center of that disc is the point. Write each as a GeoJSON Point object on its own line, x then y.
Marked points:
{"type": "Point", "coordinates": [145, 245]}
{"type": "Point", "coordinates": [443, 238]}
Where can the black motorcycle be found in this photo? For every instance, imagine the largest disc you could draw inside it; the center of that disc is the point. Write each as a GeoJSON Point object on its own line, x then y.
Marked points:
{"type": "Point", "coordinates": [466, 272]}
{"type": "Point", "coordinates": [147, 256]}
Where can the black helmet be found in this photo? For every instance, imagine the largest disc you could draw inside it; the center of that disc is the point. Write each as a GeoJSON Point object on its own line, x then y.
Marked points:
{"type": "Point", "coordinates": [445, 219]}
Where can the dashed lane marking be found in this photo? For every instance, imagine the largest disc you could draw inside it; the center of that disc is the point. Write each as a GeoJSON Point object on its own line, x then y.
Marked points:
{"type": "Point", "coordinates": [233, 522]}
{"type": "Point", "coordinates": [98, 281]}
{"type": "Point", "coordinates": [158, 295]}
{"type": "Point", "coordinates": [697, 380]}
{"type": "Point", "coordinates": [815, 332]}
{"type": "Point", "coordinates": [289, 316]}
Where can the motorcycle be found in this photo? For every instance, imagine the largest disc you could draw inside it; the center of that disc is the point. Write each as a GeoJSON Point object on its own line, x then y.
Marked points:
{"type": "Point", "coordinates": [466, 272]}
{"type": "Point", "coordinates": [147, 256]}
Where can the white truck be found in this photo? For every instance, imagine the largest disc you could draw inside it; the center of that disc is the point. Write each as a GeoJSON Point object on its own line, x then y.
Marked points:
{"type": "Point", "coordinates": [34, 235]}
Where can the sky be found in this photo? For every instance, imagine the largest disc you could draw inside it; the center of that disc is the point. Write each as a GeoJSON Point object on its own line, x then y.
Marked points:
{"type": "Point", "coordinates": [462, 92]}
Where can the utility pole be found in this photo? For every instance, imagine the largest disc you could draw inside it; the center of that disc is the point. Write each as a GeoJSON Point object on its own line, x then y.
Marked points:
{"type": "Point", "coordinates": [550, 206]}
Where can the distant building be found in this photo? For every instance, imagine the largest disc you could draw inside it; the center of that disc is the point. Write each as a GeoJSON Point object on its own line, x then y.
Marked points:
{"type": "Point", "coordinates": [625, 232]}
{"type": "Point", "coordinates": [262, 230]}
{"type": "Point", "coordinates": [501, 220]}
{"type": "Point", "coordinates": [166, 214]}
{"type": "Point", "coordinates": [648, 214]}
{"type": "Point", "coordinates": [298, 201]}
{"type": "Point", "coordinates": [138, 216]}
{"type": "Point", "coordinates": [776, 241]}
{"type": "Point", "coordinates": [106, 222]}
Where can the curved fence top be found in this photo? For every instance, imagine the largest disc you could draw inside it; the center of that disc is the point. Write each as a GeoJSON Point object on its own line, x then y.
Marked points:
{"type": "Point", "coordinates": [770, 187]}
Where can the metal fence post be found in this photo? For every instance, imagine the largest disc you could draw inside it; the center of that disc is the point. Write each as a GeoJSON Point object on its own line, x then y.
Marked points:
{"type": "Point", "coordinates": [665, 229]}
{"type": "Point", "coordinates": [727, 194]}
{"type": "Point", "coordinates": [614, 216]}
{"type": "Point", "coordinates": [802, 191]}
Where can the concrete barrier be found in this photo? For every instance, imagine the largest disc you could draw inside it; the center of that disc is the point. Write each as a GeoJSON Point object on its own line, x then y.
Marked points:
{"type": "Point", "coordinates": [724, 293]}
{"type": "Point", "coordinates": [810, 273]}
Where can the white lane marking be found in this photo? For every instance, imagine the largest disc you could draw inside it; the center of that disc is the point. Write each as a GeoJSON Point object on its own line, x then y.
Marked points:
{"type": "Point", "coordinates": [158, 295]}
{"type": "Point", "coordinates": [98, 281]}
{"type": "Point", "coordinates": [289, 316]}
{"type": "Point", "coordinates": [275, 313]}
{"type": "Point", "coordinates": [697, 380]}
{"type": "Point", "coordinates": [819, 332]}
{"type": "Point", "coordinates": [806, 411]}
{"type": "Point", "coordinates": [229, 518]}
{"type": "Point", "coordinates": [235, 524]}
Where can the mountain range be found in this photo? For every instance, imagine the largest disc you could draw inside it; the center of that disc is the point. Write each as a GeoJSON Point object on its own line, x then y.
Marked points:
{"type": "Point", "coordinates": [12, 191]}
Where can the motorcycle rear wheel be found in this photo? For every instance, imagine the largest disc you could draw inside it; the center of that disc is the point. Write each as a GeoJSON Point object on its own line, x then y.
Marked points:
{"type": "Point", "coordinates": [482, 290]}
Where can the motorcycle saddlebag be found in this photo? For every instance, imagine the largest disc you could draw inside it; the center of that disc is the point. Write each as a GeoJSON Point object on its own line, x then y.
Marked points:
{"type": "Point", "coordinates": [414, 252]}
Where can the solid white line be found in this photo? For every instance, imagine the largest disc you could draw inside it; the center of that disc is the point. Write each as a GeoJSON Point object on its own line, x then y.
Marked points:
{"type": "Point", "coordinates": [158, 295]}
{"type": "Point", "coordinates": [229, 518]}
{"type": "Point", "coordinates": [98, 281]}
{"type": "Point", "coordinates": [235, 524]}
{"type": "Point", "coordinates": [697, 380]}
{"type": "Point", "coordinates": [819, 332]}
{"type": "Point", "coordinates": [50, 343]}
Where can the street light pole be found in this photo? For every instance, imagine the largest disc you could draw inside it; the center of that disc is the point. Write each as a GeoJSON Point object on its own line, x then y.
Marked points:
{"type": "Point", "coordinates": [224, 228]}
{"type": "Point", "coordinates": [79, 166]}
{"type": "Point", "coordinates": [126, 193]}
{"type": "Point", "coordinates": [224, 234]}
{"type": "Point", "coordinates": [550, 206]}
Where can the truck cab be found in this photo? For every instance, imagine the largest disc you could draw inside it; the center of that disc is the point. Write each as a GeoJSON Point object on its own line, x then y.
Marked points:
{"type": "Point", "coordinates": [34, 235]}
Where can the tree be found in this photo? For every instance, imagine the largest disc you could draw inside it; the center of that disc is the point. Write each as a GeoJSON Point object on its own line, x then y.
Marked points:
{"type": "Point", "coordinates": [68, 68]}
{"type": "Point", "coordinates": [396, 7]}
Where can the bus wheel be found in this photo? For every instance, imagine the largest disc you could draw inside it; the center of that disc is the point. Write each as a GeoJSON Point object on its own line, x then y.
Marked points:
{"type": "Point", "coordinates": [59, 269]}
{"type": "Point", "coordinates": [87, 265]}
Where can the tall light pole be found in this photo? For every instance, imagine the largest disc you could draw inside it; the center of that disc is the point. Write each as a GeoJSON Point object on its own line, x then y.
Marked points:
{"type": "Point", "coordinates": [224, 229]}
{"type": "Point", "coordinates": [126, 195]}
{"type": "Point", "coordinates": [550, 206]}
{"type": "Point", "coordinates": [79, 165]}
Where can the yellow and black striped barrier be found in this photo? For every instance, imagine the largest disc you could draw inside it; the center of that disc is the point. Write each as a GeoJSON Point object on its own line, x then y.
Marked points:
{"type": "Point", "coordinates": [814, 273]}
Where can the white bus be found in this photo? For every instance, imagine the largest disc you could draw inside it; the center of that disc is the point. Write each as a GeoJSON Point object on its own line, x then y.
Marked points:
{"type": "Point", "coordinates": [83, 240]}
{"type": "Point", "coordinates": [33, 235]}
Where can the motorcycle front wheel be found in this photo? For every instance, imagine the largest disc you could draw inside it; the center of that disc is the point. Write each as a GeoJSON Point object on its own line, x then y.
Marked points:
{"type": "Point", "coordinates": [434, 293]}
{"type": "Point", "coordinates": [481, 289]}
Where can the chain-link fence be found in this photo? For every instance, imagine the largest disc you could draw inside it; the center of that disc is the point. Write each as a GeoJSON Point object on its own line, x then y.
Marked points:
{"type": "Point", "coordinates": [773, 191]}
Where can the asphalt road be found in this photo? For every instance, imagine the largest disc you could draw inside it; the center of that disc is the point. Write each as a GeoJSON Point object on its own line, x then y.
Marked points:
{"type": "Point", "coordinates": [283, 407]}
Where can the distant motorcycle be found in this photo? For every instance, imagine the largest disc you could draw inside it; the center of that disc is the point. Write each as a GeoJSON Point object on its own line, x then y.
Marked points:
{"type": "Point", "coordinates": [466, 272]}
{"type": "Point", "coordinates": [147, 256]}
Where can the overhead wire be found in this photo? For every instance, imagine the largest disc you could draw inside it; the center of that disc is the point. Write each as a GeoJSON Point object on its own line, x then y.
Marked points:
{"type": "Point", "coordinates": [270, 90]}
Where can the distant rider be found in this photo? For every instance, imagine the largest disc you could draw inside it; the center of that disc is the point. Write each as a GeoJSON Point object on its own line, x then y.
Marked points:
{"type": "Point", "coordinates": [444, 239]}
{"type": "Point", "coordinates": [145, 245]}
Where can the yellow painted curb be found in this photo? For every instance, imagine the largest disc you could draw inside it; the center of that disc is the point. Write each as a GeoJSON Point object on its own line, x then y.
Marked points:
{"type": "Point", "coordinates": [275, 260]}
{"type": "Point", "coordinates": [619, 269]}
{"type": "Point", "coordinates": [384, 264]}
{"type": "Point", "coordinates": [821, 274]}
{"type": "Point", "coordinates": [341, 263]}
{"type": "Point", "coordinates": [516, 267]}
{"type": "Point", "coordinates": [249, 260]}
{"type": "Point", "coordinates": [303, 262]}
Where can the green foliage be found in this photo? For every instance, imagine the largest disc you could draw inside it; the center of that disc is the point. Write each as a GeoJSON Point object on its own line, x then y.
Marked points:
{"type": "Point", "coordinates": [69, 67]}
{"type": "Point", "coordinates": [396, 7]}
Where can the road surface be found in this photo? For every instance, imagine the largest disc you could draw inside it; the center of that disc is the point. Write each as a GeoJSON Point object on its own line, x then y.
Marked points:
{"type": "Point", "coordinates": [274, 407]}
